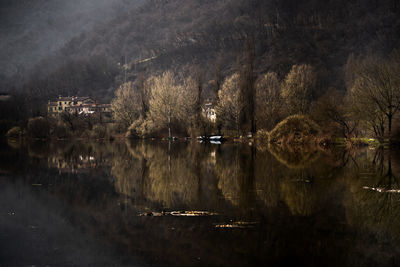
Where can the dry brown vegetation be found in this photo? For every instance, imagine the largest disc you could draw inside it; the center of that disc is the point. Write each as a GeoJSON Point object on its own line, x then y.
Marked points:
{"type": "Point", "coordinates": [295, 129]}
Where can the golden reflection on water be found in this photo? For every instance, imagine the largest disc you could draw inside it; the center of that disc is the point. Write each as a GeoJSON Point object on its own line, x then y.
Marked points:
{"type": "Point", "coordinates": [267, 190]}
{"type": "Point", "coordinates": [238, 176]}
{"type": "Point", "coordinates": [374, 210]}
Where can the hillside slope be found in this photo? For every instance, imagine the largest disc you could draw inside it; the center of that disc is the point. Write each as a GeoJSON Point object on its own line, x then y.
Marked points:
{"type": "Point", "coordinates": [31, 29]}
{"type": "Point", "coordinates": [175, 34]}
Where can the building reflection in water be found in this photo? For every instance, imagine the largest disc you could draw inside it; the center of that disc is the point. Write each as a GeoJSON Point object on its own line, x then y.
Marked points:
{"type": "Point", "coordinates": [350, 193]}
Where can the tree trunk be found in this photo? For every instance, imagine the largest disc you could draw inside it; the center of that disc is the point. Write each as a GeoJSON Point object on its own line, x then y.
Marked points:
{"type": "Point", "coordinates": [169, 123]}
{"type": "Point", "coordinates": [390, 117]}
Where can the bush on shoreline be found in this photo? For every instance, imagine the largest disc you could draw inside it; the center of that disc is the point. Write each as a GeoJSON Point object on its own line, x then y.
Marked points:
{"type": "Point", "coordinates": [262, 135]}
{"type": "Point", "coordinates": [98, 132]}
{"type": "Point", "coordinates": [14, 132]}
{"type": "Point", "coordinates": [61, 131]}
{"type": "Point", "coordinates": [141, 129]}
{"type": "Point", "coordinates": [39, 128]}
{"type": "Point", "coordinates": [295, 129]}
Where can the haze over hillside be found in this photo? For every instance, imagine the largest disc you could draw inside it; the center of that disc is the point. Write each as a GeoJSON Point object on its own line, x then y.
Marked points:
{"type": "Point", "coordinates": [31, 29]}
{"type": "Point", "coordinates": [176, 34]}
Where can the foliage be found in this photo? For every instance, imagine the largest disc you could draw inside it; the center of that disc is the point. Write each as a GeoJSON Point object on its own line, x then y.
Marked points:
{"type": "Point", "coordinates": [38, 127]}
{"type": "Point", "coordinates": [199, 125]}
{"type": "Point", "coordinates": [86, 134]}
{"type": "Point", "coordinates": [142, 129]}
{"type": "Point", "coordinates": [295, 129]}
{"type": "Point", "coordinates": [228, 107]}
{"type": "Point", "coordinates": [263, 36]}
{"type": "Point", "coordinates": [269, 104]}
{"type": "Point", "coordinates": [298, 89]}
{"type": "Point", "coordinates": [247, 122]}
{"type": "Point", "coordinates": [61, 130]}
{"type": "Point", "coordinates": [170, 104]}
{"type": "Point", "coordinates": [203, 127]}
{"type": "Point", "coordinates": [14, 132]}
{"type": "Point", "coordinates": [76, 123]}
{"type": "Point", "coordinates": [262, 135]}
{"type": "Point", "coordinates": [336, 114]}
{"type": "Point", "coordinates": [376, 90]}
{"type": "Point", "coordinates": [126, 105]}
{"type": "Point", "coordinates": [99, 132]}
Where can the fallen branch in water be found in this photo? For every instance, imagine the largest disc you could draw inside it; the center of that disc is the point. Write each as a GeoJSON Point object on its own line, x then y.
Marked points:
{"type": "Point", "coordinates": [179, 213]}
{"type": "Point", "coordinates": [382, 190]}
{"type": "Point", "coordinates": [237, 225]}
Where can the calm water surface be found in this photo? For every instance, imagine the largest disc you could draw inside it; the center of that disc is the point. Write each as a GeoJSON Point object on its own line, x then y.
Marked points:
{"type": "Point", "coordinates": [188, 204]}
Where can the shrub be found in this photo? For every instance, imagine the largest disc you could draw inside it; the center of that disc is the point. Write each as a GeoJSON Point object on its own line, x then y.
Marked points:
{"type": "Point", "coordinates": [38, 127]}
{"type": "Point", "coordinates": [99, 132]}
{"type": "Point", "coordinates": [134, 131]}
{"type": "Point", "coordinates": [141, 129]}
{"type": "Point", "coordinates": [203, 127]}
{"type": "Point", "coordinates": [14, 132]}
{"type": "Point", "coordinates": [262, 135]}
{"type": "Point", "coordinates": [86, 134]}
{"type": "Point", "coordinates": [116, 128]}
{"type": "Point", "coordinates": [61, 131]}
{"type": "Point", "coordinates": [295, 129]}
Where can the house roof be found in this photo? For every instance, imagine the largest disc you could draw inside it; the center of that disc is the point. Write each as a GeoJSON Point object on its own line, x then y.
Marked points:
{"type": "Point", "coordinates": [87, 103]}
{"type": "Point", "coordinates": [52, 104]}
{"type": "Point", "coordinates": [90, 106]}
{"type": "Point", "coordinates": [72, 98]}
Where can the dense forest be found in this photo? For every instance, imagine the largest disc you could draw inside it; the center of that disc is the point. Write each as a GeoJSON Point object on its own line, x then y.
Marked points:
{"type": "Point", "coordinates": [150, 38]}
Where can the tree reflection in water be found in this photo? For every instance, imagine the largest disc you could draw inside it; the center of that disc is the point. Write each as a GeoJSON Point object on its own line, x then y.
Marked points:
{"type": "Point", "coordinates": [309, 203]}
{"type": "Point", "coordinates": [374, 199]}
{"type": "Point", "coordinates": [177, 176]}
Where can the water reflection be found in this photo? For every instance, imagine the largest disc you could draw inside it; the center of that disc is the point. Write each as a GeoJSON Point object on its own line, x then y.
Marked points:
{"type": "Point", "coordinates": [373, 203]}
{"type": "Point", "coordinates": [318, 206]}
{"type": "Point", "coordinates": [295, 157]}
{"type": "Point", "coordinates": [175, 176]}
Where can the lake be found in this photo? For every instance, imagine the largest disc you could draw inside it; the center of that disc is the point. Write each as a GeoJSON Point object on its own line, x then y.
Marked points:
{"type": "Point", "coordinates": [154, 203]}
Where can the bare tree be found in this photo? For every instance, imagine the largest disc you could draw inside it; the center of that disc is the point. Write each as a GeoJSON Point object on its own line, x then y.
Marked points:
{"type": "Point", "coordinates": [144, 91]}
{"type": "Point", "coordinates": [246, 89]}
{"type": "Point", "coordinates": [194, 87]}
{"type": "Point", "coordinates": [377, 87]}
{"type": "Point", "coordinates": [337, 113]}
{"type": "Point", "coordinates": [218, 75]}
{"type": "Point", "coordinates": [298, 88]}
{"type": "Point", "coordinates": [126, 105]}
{"type": "Point", "coordinates": [169, 101]}
{"type": "Point", "coordinates": [218, 80]}
{"type": "Point", "coordinates": [228, 107]}
{"type": "Point", "coordinates": [268, 101]}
